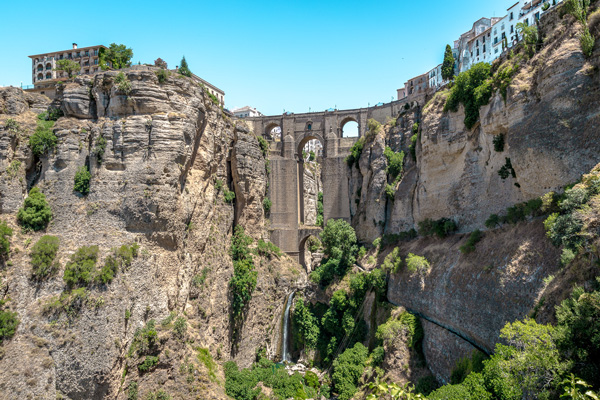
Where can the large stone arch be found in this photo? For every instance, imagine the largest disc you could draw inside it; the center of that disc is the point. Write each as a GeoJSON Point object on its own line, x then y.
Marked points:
{"type": "Point", "coordinates": [269, 126]}
{"type": "Point", "coordinates": [345, 120]}
{"type": "Point", "coordinates": [303, 235]}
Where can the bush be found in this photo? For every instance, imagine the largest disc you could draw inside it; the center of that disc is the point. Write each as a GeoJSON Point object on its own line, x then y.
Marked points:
{"type": "Point", "coordinates": [43, 254]}
{"type": "Point", "coordinates": [493, 221]}
{"type": "Point", "coordinates": [267, 205]}
{"type": "Point", "coordinates": [507, 170]}
{"type": "Point", "coordinates": [123, 84]}
{"type": "Point", "coordinates": [312, 380]}
{"type": "Point", "coordinates": [499, 143]}
{"type": "Point", "coordinates": [5, 234]}
{"type": "Point", "coordinates": [442, 227]}
{"type": "Point", "coordinates": [35, 213]}
{"type": "Point", "coordinates": [162, 75]}
{"type": "Point", "coordinates": [8, 324]}
{"type": "Point", "coordinates": [467, 365]}
{"type": "Point", "coordinates": [469, 246]}
{"type": "Point", "coordinates": [180, 327]}
{"type": "Point", "coordinates": [240, 384]}
{"type": "Point", "coordinates": [390, 191]}
{"type": "Point", "coordinates": [228, 195]}
{"type": "Point", "coordinates": [144, 340]}
{"type": "Point", "coordinates": [80, 269]}
{"type": "Point", "coordinates": [339, 239]}
{"type": "Point", "coordinates": [405, 322]}
{"type": "Point", "coordinates": [82, 181]}
{"type": "Point", "coordinates": [393, 261]}
{"type": "Point", "coordinates": [132, 391]}
{"type": "Point", "coordinates": [471, 89]}
{"type": "Point", "coordinates": [395, 162]}
{"type": "Point", "coordinates": [306, 325]}
{"type": "Point", "coordinates": [149, 363]}
{"type": "Point", "coordinates": [268, 249]}
{"type": "Point", "coordinates": [417, 264]}
{"type": "Point", "coordinates": [100, 148]}
{"type": "Point", "coordinates": [43, 139]}
{"type": "Point", "coordinates": [355, 152]}
{"type": "Point", "coordinates": [347, 369]}
{"type": "Point", "coordinates": [264, 146]}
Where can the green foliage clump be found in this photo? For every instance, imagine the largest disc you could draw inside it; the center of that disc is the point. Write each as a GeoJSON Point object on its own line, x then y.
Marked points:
{"type": "Point", "coordinates": [473, 388]}
{"type": "Point", "coordinates": [149, 363]}
{"type": "Point", "coordinates": [35, 213]}
{"type": "Point", "coordinates": [69, 66]}
{"type": "Point", "coordinates": [116, 56]}
{"type": "Point", "coordinates": [8, 324]}
{"type": "Point", "coordinates": [493, 221]}
{"type": "Point", "coordinates": [587, 42]}
{"type": "Point", "coordinates": [100, 149]}
{"type": "Point", "coordinates": [340, 248]}
{"type": "Point", "coordinates": [132, 391]}
{"type": "Point", "coordinates": [180, 327]}
{"type": "Point", "coordinates": [228, 195]}
{"type": "Point", "coordinates": [120, 258]}
{"type": "Point", "coordinates": [393, 261]}
{"type": "Point", "coordinates": [467, 365]}
{"type": "Point", "coordinates": [507, 170]}
{"type": "Point", "coordinates": [184, 69]}
{"type": "Point", "coordinates": [145, 340]}
{"type": "Point", "coordinates": [6, 233]}
{"type": "Point", "coordinates": [355, 152]}
{"type": "Point", "coordinates": [530, 37]}
{"type": "Point", "coordinates": [306, 325]}
{"type": "Point", "coordinates": [413, 141]}
{"type": "Point", "coordinates": [11, 125]}
{"type": "Point", "coordinates": [268, 249]}
{"type": "Point", "coordinates": [43, 139]}
{"type": "Point", "coordinates": [243, 281]}
{"type": "Point", "coordinates": [319, 221]}
{"type": "Point", "coordinates": [123, 83]}
{"type": "Point", "coordinates": [82, 181]}
{"type": "Point", "coordinates": [404, 323]}
{"type": "Point", "coordinates": [347, 369]}
{"type": "Point", "coordinates": [80, 269]}
{"type": "Point", "coordinates": [264, 146]}
{"type": "Point", "coordinates": [441, 227]}
{"type": "Point", "coordinates": [162, 75]}
{"type": "Point", "coordinates": [267, 204]}
{"type": "Point", "coordinates": [474, 238]}
{"type": "Point", "coordinates": [472, 90]}
{"type": "Point", "coordinates": [395, 162]}
{"type": "Point", "coordinates": [499, 143]}
{"type": "Point", "coordinates": [417, 264]}
{"type": "Point", "coordinates": [43, 255]}
{"type": "Point", "coordinates": [390, 191]}
{"type": "Point", "coordinates": [448, 64]}
{"type": "Point", "coordinates": [159, 395]}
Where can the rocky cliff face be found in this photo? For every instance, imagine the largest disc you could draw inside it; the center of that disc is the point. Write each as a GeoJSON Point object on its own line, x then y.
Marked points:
{"type": "Point", "coordinates": [167, 145]}
{"type": "Point", "coordinates": [550, 124]}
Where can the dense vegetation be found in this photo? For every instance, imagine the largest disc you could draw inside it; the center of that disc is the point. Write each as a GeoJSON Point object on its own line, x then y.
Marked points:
{"type": "Point", "coordinates": [340, 248]}
{"type": "Point", "coordinates": [35, 213]}
{"type": "Point", "coordinates": [243, 281]}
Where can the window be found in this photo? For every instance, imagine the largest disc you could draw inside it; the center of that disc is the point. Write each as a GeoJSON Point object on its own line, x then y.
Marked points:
{"type": "Point", "coordinates": [511, 16]}
{"type": "Point", "coordinates": [477, 43]}
{"type": "Point", "coordinates": [477, 52]}
{"type": "Point", "coordinates": [96, 61]}
{"type": "Point", "coordinates": [496, 40]}
{"type": "Point", "coordinates": [87, 71]}
{"type": "Point", "coordinates": [61, 56]}
{"type": "Point", "coordinates": [537, 16]}
{"type": "Point", "coordinates": [96, 52]}
{"type": "Point", "coordinates": [512, 29]}
{"type": "Point", "coordinates": [503, 35]}
{"type": "Point", "coordinates": [87, 53]}
{"type": "Point", "coordinates": [48, 75]}
{"type": "Point", "coordinates": [484, 48]}
{"type": "Point", "coordinates": [78, 54]}
{"type": "Point", "coordinates": [496, 50]}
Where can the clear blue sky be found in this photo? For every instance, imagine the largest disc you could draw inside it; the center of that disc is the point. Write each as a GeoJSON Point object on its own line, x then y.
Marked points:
{"type": "Point", "coordinates": [273, 55]}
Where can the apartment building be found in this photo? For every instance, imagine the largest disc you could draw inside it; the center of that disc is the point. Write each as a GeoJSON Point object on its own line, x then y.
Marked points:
{"type": "Point", "coordinates": [43, 66]}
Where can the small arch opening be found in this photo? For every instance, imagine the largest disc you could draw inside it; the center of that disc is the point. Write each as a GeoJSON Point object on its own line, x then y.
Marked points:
{"type": "Point", "coordinates": [350, 129]}
{"type": "Point", "coordinates": [273, 132]}
{"type": "Point", "coordinates": [310, 253]}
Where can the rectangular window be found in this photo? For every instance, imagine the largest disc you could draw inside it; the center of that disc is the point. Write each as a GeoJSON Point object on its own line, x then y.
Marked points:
{"type": "Point", "coordinates": [78, 54]}
{"type": "Point", "coordinates": [87, 53]}
{"type": "Point", "coordinates": [512, 29]}
{"type": "Point", "coordinates": [96, 52]}
{"type": "Point", "coordinates": [484, 48]}
{"type": "Point", "coordinates": [511, 16]}
{"type": "Point", "coordinates": [96, 61]}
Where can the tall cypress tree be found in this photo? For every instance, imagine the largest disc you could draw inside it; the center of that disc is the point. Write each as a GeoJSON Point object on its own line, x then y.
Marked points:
{"type": "Point", "coordinates": [184, 69]}
{"type": "Point", "coordinates": [448, 65]}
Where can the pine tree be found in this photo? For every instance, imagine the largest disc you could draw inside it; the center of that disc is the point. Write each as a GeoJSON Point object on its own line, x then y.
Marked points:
{"type": "Point", "coordinates": [184, 69]}
{"type": "Point", "coordinates": [448, 65]}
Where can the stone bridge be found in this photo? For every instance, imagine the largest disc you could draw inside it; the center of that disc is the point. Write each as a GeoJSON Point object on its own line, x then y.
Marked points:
{"type": "Point", "coordinates": [286, 184]}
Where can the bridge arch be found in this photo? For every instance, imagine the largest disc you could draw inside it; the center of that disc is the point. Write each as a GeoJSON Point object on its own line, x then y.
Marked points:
{"type": "Point", "coordinates": [352, 120]}
{"type": "Point", "coordinates": [273, 131]}
{"type": "Point", "coordinates": [303, 236]}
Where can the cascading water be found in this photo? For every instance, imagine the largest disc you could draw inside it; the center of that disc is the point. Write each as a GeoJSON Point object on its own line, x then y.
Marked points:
{"type": "Point", "coordinates": [286, 322]}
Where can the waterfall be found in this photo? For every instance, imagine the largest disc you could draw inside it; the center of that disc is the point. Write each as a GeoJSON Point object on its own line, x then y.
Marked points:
{"type": "Point", "coordinates": [286, 323]}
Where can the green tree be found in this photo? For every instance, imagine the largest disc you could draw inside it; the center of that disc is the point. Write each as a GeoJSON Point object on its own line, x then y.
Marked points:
{"type": "Point", "coordinates": [448, 64]}
{"type": "Point", "coordinates": [307, 325]}
{"type": "Point", "coordinates": [35, 213]}
{"type": "Point", "coordinates": [347, 369]}
{"type": "Point", "coordinates": [472, 89]}
{"type": "Point", "coordinates": [184, 69]}
{"type": "Point", "coordinates": [530, 36]}
{"type": "Point", "coordinates": [339, 239]}
{"type": "Point", "coordinates": [116, 56]}
{"type": "Point", "coordinates": [69, 66]}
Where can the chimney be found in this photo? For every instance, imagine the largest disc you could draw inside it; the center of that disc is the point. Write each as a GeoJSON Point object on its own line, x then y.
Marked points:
{"type": "Point", "coordinates": [74, 45]}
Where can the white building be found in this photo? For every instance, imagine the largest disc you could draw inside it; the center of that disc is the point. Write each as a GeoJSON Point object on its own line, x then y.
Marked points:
{"type": "Point", "coordinates": [246, 112]}
{"type": "Point", "coordinates": [435, 78]}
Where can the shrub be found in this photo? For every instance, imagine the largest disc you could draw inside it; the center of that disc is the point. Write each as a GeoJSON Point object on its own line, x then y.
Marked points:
{"type": "Point", "coordinates": [54, 114]}
{"type": "Point", "coordinates": [264, 146]}
{"type": "Point", "coordinates": [268, 249]}
{"type": "Point", "coordinates": [417, 264]}
{"type": "Point", "coordinates": [339, 239]}
{"type": "Point", "coordinates": [441, 227]}
{"type": "Point", "coordinates": [82, 181]}
{"type": "Point", "coordinates": [160, 63]}
{"type": "Point", "coordinates": [11, 125]}
{"type": "Point", "coordinates": [43, 254]}
{"type": "Point", "coordinates": [162, 75]}
{"type": "Point", "coordinates": [390, 191]}
{"type": "Point", "coordinates": [395, 162]}
{"type": "Point", "coordinates": [413, 146]}
{"type": "Point", "coordinates": [132, 391]}
{"type": "Point", "coordinates": [144, 340]}
{"type": "Point", "coordinates": [5, 234]}
{"type": "Point", "coordinates": [35, 213]}
{"type": "Point", "coordinates": [80, 269]}
{"type": "Point", "coordinates": [100, 148]}
{"type": "Point", "coordinates": [43, 139]}
{"type": "Point", "coordinates": [312, 380]}
{"type": "Point", "coordinates": [347, 369]}
{"type": "Point", "coordinates": [499, 143]}
{"type": "Point", "coordinates": [467, 365]}
{"type": "Point", "coordinates": [149, 363]}
{"type": "Point", "coordinates": [228, 195]}
{"type": "Point", "coordinates": [377, 356]}
{"type": "Point", "coordinates": [507, 170]}
{"type": "Point", "coordinates": [8, 324]}
{"type": "Point", "coordinates": [355, 152]}
{"type": "Point", "coordinates": [566, 257]}
{"type": "Point", "coordinates": [393, 261]}
{"type": "Point", "coordinates": [470, 89]}
{"type": "Point", "coordinates": [493, 221]}
{"type": "Point", "coordinates": [362, 252]}
{"type": "Point", "coordinates": [240, 384]}
{"type": "Point", "coordinates": [469, 246]}
{"type": "Point", "coordinates": [267, 205]}
{"type": "Point", "coordinates": [306, 325]}
{"type": "Point", "coordinates": [123, 84]}
{"type": "Point", "coordinates": [405, 322]}
{"type": "Point", "coordinates": [180, 327]}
